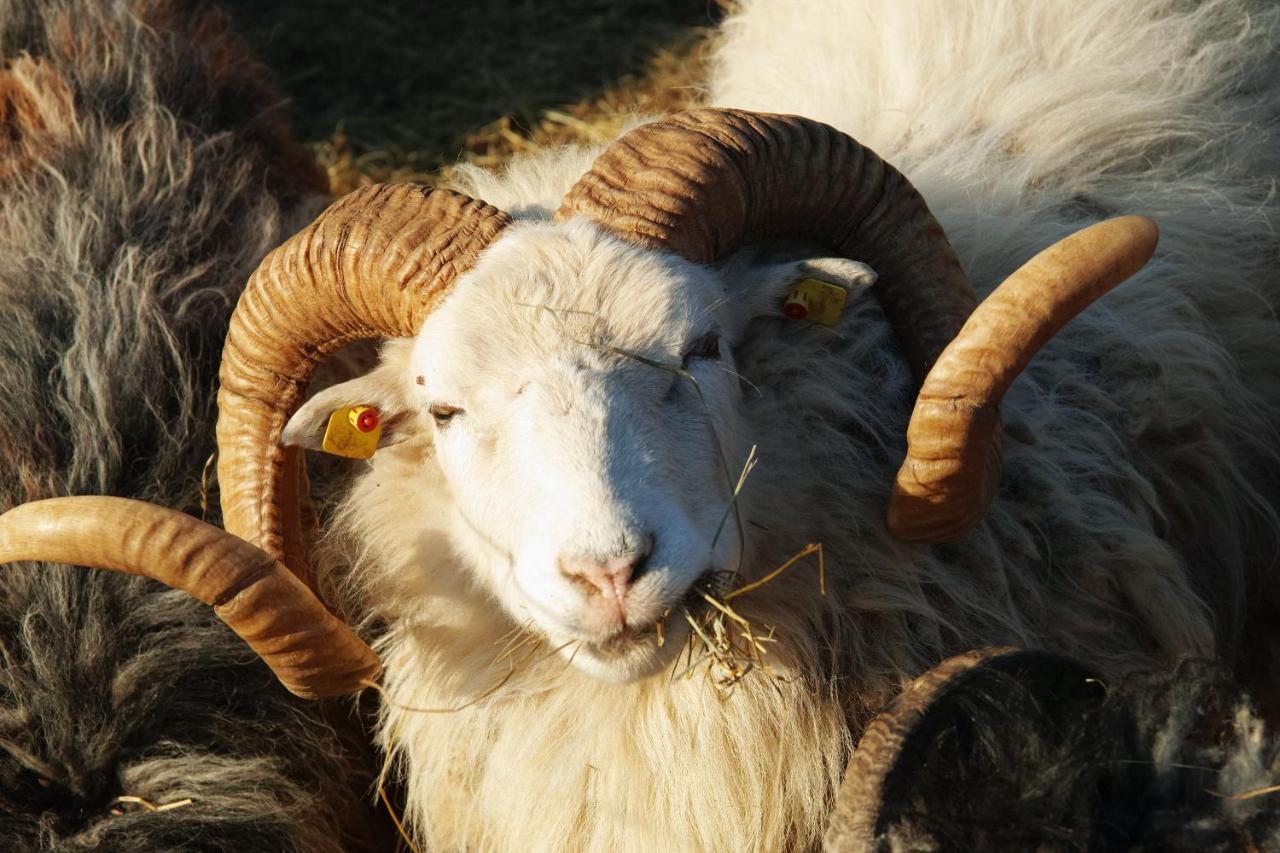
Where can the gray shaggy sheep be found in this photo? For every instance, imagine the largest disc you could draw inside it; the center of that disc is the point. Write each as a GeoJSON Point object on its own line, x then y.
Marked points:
{"type": "Point", "coordinates": [1052, 758]}
{"type": "Point", "coordinates": [144, 172]}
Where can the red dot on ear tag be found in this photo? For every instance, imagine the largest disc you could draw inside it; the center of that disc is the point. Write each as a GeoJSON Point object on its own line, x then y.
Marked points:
{"type": "Point", "coordinates": [367, 421]}
{"type": "Point", "coordinates": [795, 310]}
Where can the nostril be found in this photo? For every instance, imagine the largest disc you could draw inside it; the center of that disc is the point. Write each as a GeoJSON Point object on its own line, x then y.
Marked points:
{"type": "Point", "coordinates": [640, 562]}
{"type": "Point", "coordinates": [611, 578]}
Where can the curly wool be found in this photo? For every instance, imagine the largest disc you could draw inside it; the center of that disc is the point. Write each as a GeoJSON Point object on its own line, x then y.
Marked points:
{"type": "Point", "coordinates": [144, 171]}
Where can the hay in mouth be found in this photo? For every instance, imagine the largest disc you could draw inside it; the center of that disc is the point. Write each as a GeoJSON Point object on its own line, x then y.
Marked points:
{"type": "Point", "coordinates": [723, 644]}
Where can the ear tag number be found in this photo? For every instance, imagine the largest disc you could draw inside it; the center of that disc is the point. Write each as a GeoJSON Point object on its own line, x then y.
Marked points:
{"type": "Point", "coordinates": [353, 432]}
{"type": "Point", "coordinates": [819, 301]}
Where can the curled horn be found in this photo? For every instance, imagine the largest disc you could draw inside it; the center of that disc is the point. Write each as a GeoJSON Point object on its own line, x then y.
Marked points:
{"type": "Point", "coordinates": [372, 265]}
{"type": "Point", "coordinates": [949, 475]}
{"type": "Point", "coordinates": [925, 732]}
{"type": "Point", "coordinates": [705, 182]}
{"type": "Point", "coordinates": [310, 650]}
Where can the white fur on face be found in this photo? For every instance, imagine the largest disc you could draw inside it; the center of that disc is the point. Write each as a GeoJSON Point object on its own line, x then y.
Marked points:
{"type": "Point", "coordinates": [579, 438]}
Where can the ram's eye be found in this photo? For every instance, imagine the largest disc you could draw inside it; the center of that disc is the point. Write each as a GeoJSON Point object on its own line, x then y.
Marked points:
{"type": "Point", "coordinates": [443, 414]}
{"type": "Point", "coordinates": [707, 346]}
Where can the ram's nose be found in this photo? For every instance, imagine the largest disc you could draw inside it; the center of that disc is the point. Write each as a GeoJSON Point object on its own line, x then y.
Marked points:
{"type": "Point", "coordinates": [609, 578]}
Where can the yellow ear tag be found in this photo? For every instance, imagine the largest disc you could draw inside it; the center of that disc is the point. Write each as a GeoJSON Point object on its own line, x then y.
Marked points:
{"type": "Point", "coordinates": [353, 432]}
{"type": "Point", "coordinates": [815, 300]}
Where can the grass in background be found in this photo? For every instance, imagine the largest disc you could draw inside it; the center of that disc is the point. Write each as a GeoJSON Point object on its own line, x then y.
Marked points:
{"type": "Point", "coordinates": [398, 89]}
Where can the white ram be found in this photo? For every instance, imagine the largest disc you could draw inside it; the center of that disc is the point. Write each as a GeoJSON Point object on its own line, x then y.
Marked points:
{"type": "Point", "coordinates": [571, 491]}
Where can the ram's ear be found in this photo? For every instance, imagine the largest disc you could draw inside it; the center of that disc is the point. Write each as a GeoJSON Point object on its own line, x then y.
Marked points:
{"type": "Point", "coordinates": [762, 287]}
{"type": "Point", "coordinates": [382, 388]}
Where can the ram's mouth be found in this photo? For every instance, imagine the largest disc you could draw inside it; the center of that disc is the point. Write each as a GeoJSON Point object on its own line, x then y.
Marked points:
{"type": "Point", "coordinates": [628, 638]}
{"type": "Point", "coordinates": [671, 626]}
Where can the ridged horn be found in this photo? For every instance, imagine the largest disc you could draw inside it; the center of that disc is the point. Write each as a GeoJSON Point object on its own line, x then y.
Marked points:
{"type": "Point", "coordinates": [899, 746]}
{"type": "Point", "coordinates": [372, 265]}
{"type": "Point", "coordinates": [953, 464]}
{"type": "Point", "coordinates": [310, 650]}
{"type": "Point", "coordinates": [704, 182]}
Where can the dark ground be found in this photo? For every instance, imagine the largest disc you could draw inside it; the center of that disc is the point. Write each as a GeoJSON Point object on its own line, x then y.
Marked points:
{"type": "Point", "coordinates": [396, 89]}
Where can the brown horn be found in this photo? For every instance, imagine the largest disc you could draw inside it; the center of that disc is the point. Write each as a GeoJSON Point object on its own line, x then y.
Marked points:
{"type": "Point", "coordinates": [372, 265]}
{"type": "Point", "coordinates": [704, 182]}
{"type": "Point", "coordinates": [952, 467]}
{"type": "Point", "coordinates": [311, 651]}
{"type": "Point", "coordinates": [895, 747]}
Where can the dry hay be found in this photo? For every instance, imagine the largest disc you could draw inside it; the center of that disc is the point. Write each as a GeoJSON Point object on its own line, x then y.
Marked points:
{"type": "Point", "coordinates": [724, 645]}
